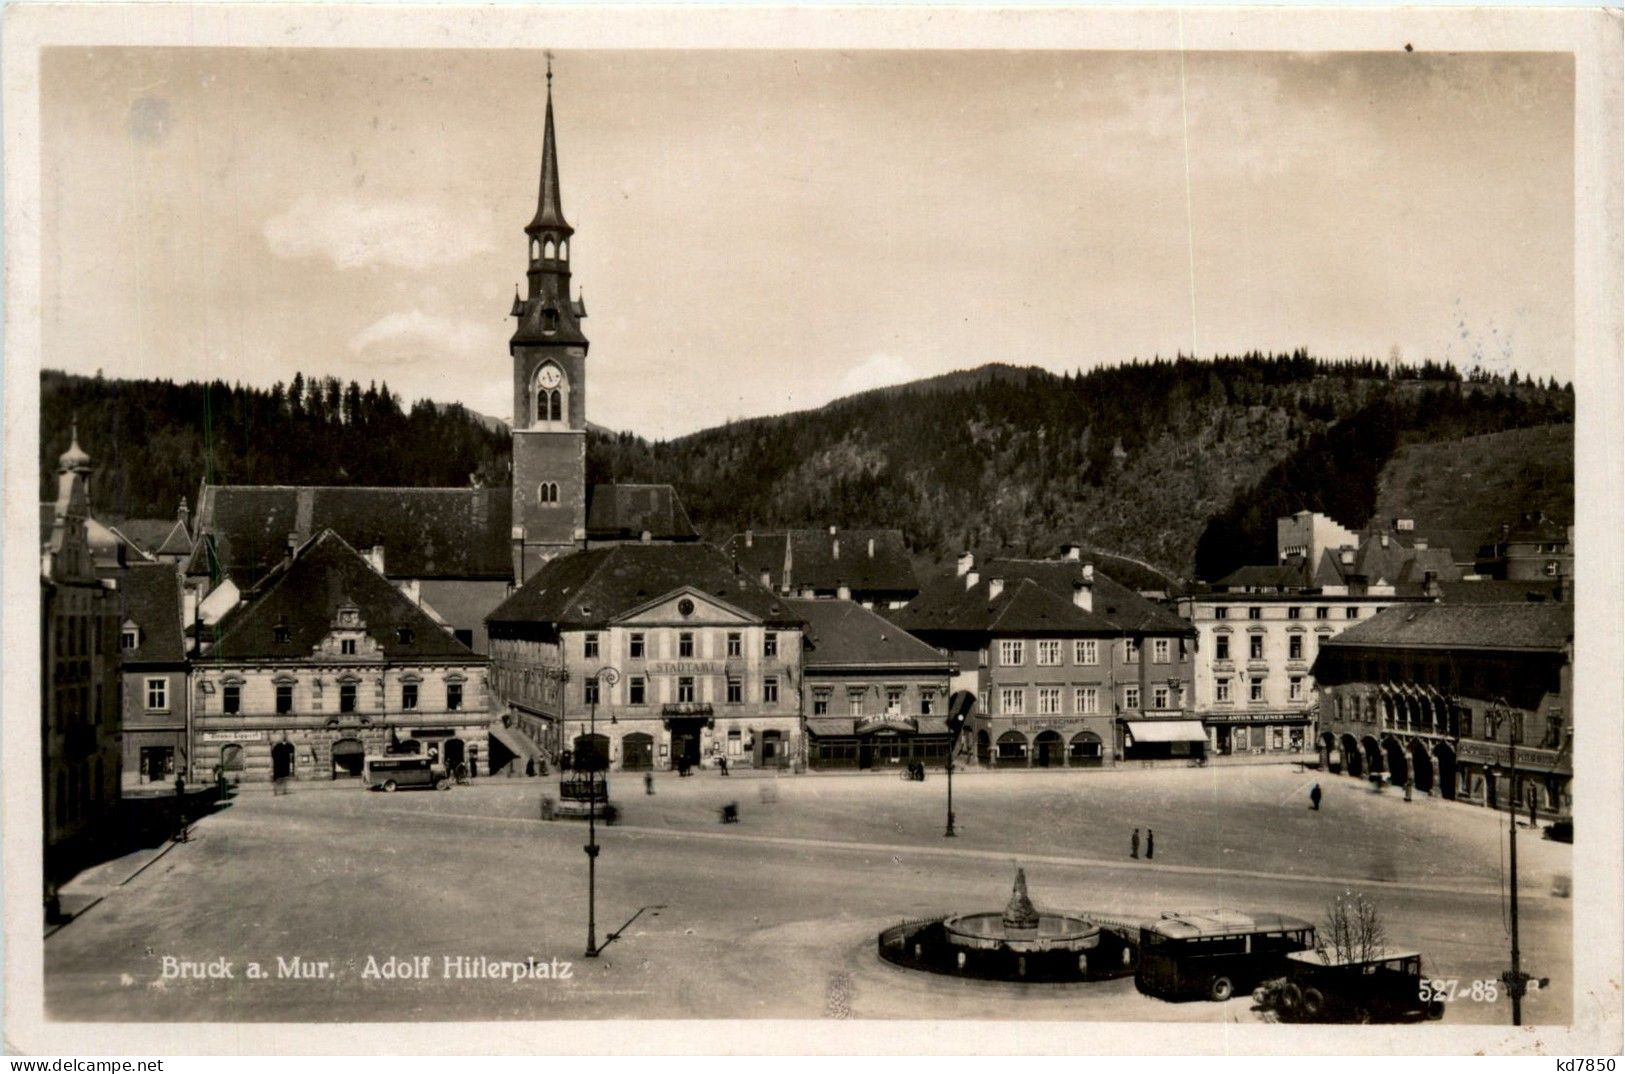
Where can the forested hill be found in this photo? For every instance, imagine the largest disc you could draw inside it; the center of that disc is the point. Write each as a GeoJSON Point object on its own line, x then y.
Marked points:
{"type": "Point", "coordinates": [153, 441]}
{"type": "Point", "coordinates": [1182, 463]}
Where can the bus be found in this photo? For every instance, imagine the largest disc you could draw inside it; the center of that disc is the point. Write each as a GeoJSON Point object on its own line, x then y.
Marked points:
{"type": "Point", "coordinates": [1214, 954]}
{"type": "Point", "coordinates": [404, 770]}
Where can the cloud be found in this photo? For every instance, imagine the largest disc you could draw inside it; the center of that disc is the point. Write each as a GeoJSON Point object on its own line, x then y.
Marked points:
{"type": "Point", "coordinates": [415, 333]}
{"type": "Point", "coordinates": [352, 233]}
{"type": "Point", "coordinates": [879, 370]}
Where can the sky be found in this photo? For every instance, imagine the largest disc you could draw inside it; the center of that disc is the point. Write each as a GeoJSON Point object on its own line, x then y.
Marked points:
{"type": "Point", "coordinates": [763, 231]}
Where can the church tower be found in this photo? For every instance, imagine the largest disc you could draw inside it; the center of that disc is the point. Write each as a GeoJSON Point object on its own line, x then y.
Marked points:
{"type": "Point", "coordinates": [549, 385]}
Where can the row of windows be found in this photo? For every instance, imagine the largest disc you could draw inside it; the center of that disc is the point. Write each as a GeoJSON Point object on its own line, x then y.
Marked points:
{"type": "Point", "coordinates": [79, 635]}
{"type": "Point", "coordinates": [857, 696]}
{"type": "Point", "coordinates": [1085, 699]}
{"type": "Point", "coordinates": [637, 645]}
{"type": "Point", "coordinates": [637, 690]}
{"type": "Point", "coordinates": [1255, 688]}
{"type": "Point", "coordinates": [1222, 611]}
{"type": "Point", "coordinates": [1255, 647]}
{"type": "Point", "coordinates": [231, 697]}
{"type": "Point", "coordinates": [549, 251]}
{"type": "Point", "coordinates": [1085, 651]}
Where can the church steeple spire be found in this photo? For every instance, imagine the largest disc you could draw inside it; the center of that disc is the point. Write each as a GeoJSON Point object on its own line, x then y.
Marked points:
{"type": "Point", "coordinates": [549, 211]}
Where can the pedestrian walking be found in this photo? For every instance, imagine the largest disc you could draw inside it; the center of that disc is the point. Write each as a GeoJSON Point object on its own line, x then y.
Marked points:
{"type": "Point", "coordinates": [1134, 844]}
{"type": "Point", "coordinates": [180, 791]}
{"type": "Point", "coordinates": [722, 765]}
{"type": "Point", "coordinates": [648, 783]}
{"type": "Point", "coordinates": [530, 767]}
{"type": "Point", "coordinates": [1314, 797]}
{"type": "Point", "coordinates": [1531, 807]}
{"type": "Point", "coordinates": [1150, 844]}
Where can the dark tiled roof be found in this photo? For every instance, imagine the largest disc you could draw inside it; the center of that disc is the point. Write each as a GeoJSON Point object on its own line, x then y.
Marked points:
{"type": "Point", "coordinates": [1036, 598]}
{"type": "Point", "coordinates": [813, 559]}
{"type": "Point", "coordinates": [426, 533]}
{"type": "Point", "coordinates": [177, 542]}
{"type": "Point", "coordinates": [841, 633]}
{"type": "Point", "coordinates": [592, 588]}
{"type": "Point", "coordinates": [304, 594]}
{"type": "Point", "coordinates": [626, 511]}
{"type": "Point", "coordinates": [147, 534]}
{"type": "Point", "coordinates": [1546, 626]}
{"type": "Point", "coordinates": [150, 597]}
{"type": "Point", "coordinates": [1492, 591]}
{"type": "Point", "coordinates": [1285, 576]}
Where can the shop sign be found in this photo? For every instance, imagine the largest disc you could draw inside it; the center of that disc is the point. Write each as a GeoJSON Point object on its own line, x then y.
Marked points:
{"type": "Point", "coordinates": [231, 736]}
{"type": "Point", "coordinates": [686, 667]}
{"type": "Point", "coordinates": [1039, 723]}
{"type": "Point", "coordinates": [432, 732]}
{"type": "Point", "coordinates": [1255, 717]}
{"type": "Point", "coordinates": [1490, 753]}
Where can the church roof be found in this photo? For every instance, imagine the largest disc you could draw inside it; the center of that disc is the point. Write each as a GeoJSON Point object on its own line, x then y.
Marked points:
{"type": "Point", "coordinates": [593, 588]}
{"type": "Point", "coordinates": [425, 532]}
{"type": "Point", "coordinates": [549, 205]}
{"type": "Point", "coordinates": [625, 512]}
{"type": "Point", "coordinates": [303, 595]}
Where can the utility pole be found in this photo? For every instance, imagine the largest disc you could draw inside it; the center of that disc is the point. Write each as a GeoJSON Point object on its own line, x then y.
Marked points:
{"type": "Point", "coordinates": [1516, 980]}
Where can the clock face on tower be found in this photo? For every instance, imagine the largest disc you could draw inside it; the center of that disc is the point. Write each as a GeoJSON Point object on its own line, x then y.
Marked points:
{"type": "Point", "coordinates": [549, 377]}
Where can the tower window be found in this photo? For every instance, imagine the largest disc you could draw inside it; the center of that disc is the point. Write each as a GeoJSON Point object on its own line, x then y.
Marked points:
{"type": "Point", "coordinates": [547, 250]}
{"type": "Point", "coordinates": [547, 492]}
{"type": "Point", "coordinates": [550, 320]}
{"type": "Point", "coordinates": [564, 255]}
{"type": "Point", "coordinates": [535, 250]}
{"type": "Point", "coordinates": [550, 405]}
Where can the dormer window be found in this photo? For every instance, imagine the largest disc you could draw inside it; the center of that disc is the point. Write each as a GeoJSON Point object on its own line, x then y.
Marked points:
{"type": "Point", "coordinates": [403, 635]}
{"type": "Point", "coordinates": [346, 646]}
{"type": "Point", "coordinates": [550, 320]}
{"type": "Point", "coordinates": [130, 638]}
{"type": "Point", "coordinates": [281, 634]}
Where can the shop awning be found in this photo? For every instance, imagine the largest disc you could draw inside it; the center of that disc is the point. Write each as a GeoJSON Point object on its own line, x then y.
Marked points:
{"type": "Point", "coordinates": [827, 728]}
{"type": "Point", "coordinates": [1167, 731]}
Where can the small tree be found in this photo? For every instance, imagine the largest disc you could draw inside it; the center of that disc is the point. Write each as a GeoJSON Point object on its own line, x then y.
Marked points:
{"type": "Point", "coordinates": [1353, 930]}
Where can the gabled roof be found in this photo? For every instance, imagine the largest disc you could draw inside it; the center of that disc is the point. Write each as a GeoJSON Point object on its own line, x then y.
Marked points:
{"type": "Point", "coordinates": [595, 587]}
{"type": "Point", "coordinates": [1527, 626]}
{"type": "Point", "coordinates": [425, 533]}
{"type": "Point", "coordinates": [842, 633]}
{"type": "Point", "coordinates": [150, 597]}
{"type": "Point", "coordinates": [1031, 601]}
{"type": "Point", "coordinates": [303, 596]}
{"type": "Point", "coordinates": [178, 542]}
{"type": "Point", "coordinates": [825, 560]}
{"type": "Point", "coordinates": [625, 512]}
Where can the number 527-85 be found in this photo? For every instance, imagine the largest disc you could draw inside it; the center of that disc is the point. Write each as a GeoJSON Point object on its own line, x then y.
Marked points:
{"type": "Point", "coordinates": [1447, 990]}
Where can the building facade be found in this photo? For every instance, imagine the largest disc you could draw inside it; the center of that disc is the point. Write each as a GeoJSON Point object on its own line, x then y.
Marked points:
{"type": "Point", "coordinates": [326, 663]}
{"type": "Point", "coordinates": [706, 662]}
{"type": "Point", "coordinates": [1445, 699]}
{"type": "Point", "coordinates": [155, 702]}
{"type": "Point", "coordinates": [79, 680]}
{"type": "Point", "coordinates": [1070, 668]}
{"type": "Point", "coordinates": [873, 695]}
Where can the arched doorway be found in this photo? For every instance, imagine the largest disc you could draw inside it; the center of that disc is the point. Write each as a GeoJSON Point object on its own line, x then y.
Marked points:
{"type": "Point", "coordinates": [1446, 756]}
{"type": "Point", "coordinates": [1399, 769]}
{"type": "Point", "coordinates": [637, 752]}
{"type": "Point", "coordinates": [231, 762]}
{"type": "Point", "coordinates": [1331, 759]}
{"type": "Point", "coordinates": [591, 753]}
{"type": "Point", "coordinates": [1012, 749]}
{"type": "Point", "coordinates": [984, 748]}
{"type": "Point", "coordinates": [282, 761]}
{"type": "Point", "coordinates": [1087, 750]}
{"type": "Point", "coordinates": [1048, 750]}
{"type": "Point", "coordinates": [1353, 759]}
{"type": "Point", "coordinates": [452, 753]}
{"type": "Point", "coordinates": [771, 745]}
{"type": "Point", "coordinates": [1373, 756]}
{"type": "Point", "coordinates": [348, 757]}
{"type": "Point", "coordinates": [1421, 768]}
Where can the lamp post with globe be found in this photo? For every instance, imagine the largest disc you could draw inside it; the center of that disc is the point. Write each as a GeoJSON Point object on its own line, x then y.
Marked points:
{"type": "Point", "coordinates": [597, 761]}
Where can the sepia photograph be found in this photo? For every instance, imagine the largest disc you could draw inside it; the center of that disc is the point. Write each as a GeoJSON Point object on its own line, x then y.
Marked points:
{"type": "Point", "coordinates": [1062, 522]}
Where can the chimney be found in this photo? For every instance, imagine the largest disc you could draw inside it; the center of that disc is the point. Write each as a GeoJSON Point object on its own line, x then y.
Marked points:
{"type": "Point", "coordinates": [1071, 552]}
{"type": "Point", "coordinates": [967, 560]}
{"type": "Point", "coordinates": [871, 548]}
{"type": "Point", "coordinates": [832, 531]}
{"type": "Point", "coordinates": [1430, 585]}
{"type": "Point", "coordinates": [1420, 544]}
{"type": "Point", "coordinates": [843, 591]}
{"type": "Point", "coordinates": [1347, 558]}
{"type": "Point", "coordinates": [375, 556]}
{"type": "Point", "coordinates": [971, 578]}
{"type": "Point", "coordinates": [1083, 594]}
{"type": "Point", "coordinates": [646, 537]}
{"type": "Point", "coordinates": [808, 592]}
{"type": "Point", "coordinates": [1384, 540]}
{"type": "Point", "coordinates": [750, 538]}
{"type": "Point", "coordinates": [995, 586]}
{"type": "Point", "coordinates": [1089, 574]}
{"type": "Point", "coordinates": [767, 578]}
{"type": "Point", "coordinates": [182, 513]}
{"type": "Point", "coordinates": [835, 548]}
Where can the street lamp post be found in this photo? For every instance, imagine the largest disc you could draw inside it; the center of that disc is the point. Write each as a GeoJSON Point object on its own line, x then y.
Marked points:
{"type": "Point", "coordinates": [1516, 980]}
{"type": "Point", "coordinates": [959, 708]}
{"type": "Point", "coordinates": [602, 677]}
